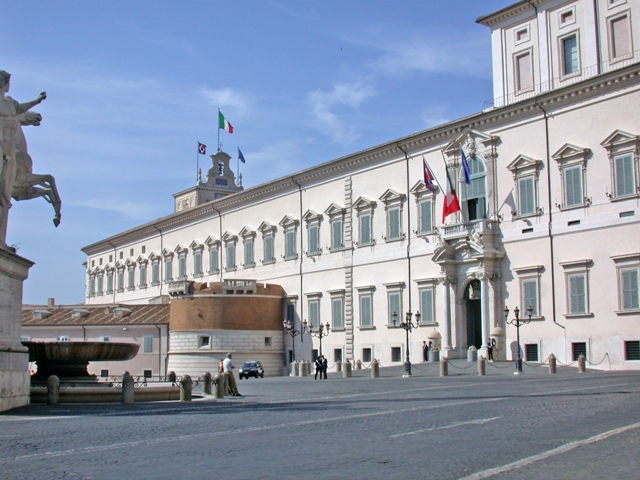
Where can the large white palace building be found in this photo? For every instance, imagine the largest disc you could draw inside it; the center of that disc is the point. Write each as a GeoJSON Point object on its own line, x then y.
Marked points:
{"type": "Point", "coordinates": [550, 219]}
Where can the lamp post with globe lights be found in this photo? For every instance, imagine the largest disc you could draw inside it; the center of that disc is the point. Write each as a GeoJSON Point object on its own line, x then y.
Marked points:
{"type": "Point", "coordinates": [517, 322]}
{"type": "Point", "coordinates": [289, 329]}
{"type": "Point", "coordinates": [408, 325]}
{"type": "Point", "coordinates": [320, 333]}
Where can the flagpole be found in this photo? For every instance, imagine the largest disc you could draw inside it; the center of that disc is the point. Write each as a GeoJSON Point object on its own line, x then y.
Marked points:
{"type": "Point", "coordinates": [218, 129]}
{"type": "Point", "coordinates": [197, 162]}
{"type": "Point", "coordinates": [238, 169]}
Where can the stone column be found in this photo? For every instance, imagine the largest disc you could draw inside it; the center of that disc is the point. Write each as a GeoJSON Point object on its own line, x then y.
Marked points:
{"type": "Point", "coordinates": [484, 301]}
{"type": "Point", "coordinates": [446, 333]}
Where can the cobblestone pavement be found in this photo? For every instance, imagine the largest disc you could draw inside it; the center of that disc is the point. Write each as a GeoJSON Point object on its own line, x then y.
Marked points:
{"type": "Point", "coordinates": [498, 426]}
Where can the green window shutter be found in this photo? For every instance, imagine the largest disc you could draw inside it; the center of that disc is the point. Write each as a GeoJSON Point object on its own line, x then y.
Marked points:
{"type": "Point", "coordinates": [336, 313]}
{"type": "Point", "coordinates": [290, 247]}
{"type": "Point", "coordinates": [336, 228]}
{"type": "Point", "coordinates": [248, 253]}
{"type": "Point", "coordinates": [578, 294]}
{"type": "Point", "coordinates": [573, 186]}
{"type": "Point", "coordinates": [313, 239]}
{"type": "Point", "coordinates": [313, 314]}
{"type": "Point", "coordinates": [530, 290]}
{"type": "Point", "coordinates": [394, 223]}
{"type": "Point", "coordinates": [624, 175]}
{"type": "Point", "coordinates": [197, 263]}
{"type": "Point", "coordinates": [526, 196]}
{"type": "Point", "coordinates": [365, 311]}
{"type": "Point", "coordinates": [230, 257]}
{"type": "Point", "coordinates": [425, 217]}
{"type": "Point", "coordinates": [182, 267]}
{"type": "Point", "coordinates": [426, 305]}
{"type": "Point", "coordinates": [394, 306]}
{"type": "Point", "coordinates": [268, 249]}
{"type": "Point", "coordinates": [630, 290]}
{"type": "Point", "coordinates": [365, 229]}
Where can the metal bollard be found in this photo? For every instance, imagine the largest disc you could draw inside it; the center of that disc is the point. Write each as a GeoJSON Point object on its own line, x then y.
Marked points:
{"type": "Point", "coordinates": [53, 390]}
{"type": "Point", "coordinates": [346, 370]}
{"type": "Point", "coordinates": [128, 394]}
{"type": "Point", "coordinates": [218, 383]}
{"type": "Point", "coordinates": [338, 366]}
{"type": "Point", "coordinates": [582, 364]}
{"type": "Point", "coordinates": [206, 383]}
{"type": "Point", "coordinates": [186, 386]}
{"type": "Point", "coordinates": [171, 377]}
{"type": "Point", "coordinates": [481, 366]}
{"type": "Point", "coordinates": [375, 369]}
{"type": "Point", "coordinates": [444, 367]}
{"type": "Point", "coordinates": [358, 365]}
{"type": "Point", "coordinates": [552, 364]}
{"type": "Point", "coordinates": [295, 369]}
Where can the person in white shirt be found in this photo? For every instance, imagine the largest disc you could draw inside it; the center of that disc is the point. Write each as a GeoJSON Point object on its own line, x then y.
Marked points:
{"type": "Point", "coordinates": [228, 371]}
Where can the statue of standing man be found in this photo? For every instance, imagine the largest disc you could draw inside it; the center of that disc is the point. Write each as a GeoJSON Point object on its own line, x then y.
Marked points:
{"type": "Point", "coordinates": [9, 125]}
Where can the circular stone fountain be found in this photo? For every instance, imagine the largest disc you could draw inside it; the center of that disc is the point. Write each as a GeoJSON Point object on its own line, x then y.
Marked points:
{"type": "Point", "coordinates": [69, 360]}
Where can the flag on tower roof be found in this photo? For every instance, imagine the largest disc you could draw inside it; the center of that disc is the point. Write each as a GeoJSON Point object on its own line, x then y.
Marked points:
{"type": "Point", "coordinates": [202, 148]}
{"type": "Point", "coordinates": [223, 123]}
{"type": "Point", "coordinates": [240, 156]}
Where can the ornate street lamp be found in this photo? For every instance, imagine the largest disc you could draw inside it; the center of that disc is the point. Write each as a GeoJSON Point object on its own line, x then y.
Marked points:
{"type": "Point", "coordinates": [289, 329]}
{"type": "Point", "coordinates": [408, 325]}
{"type": "Point", "coordinates": [320, 333]}
{"type": "Point", "coordinates": [517, 322]}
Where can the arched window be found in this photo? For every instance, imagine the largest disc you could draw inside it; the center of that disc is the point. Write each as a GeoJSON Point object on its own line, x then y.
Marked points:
{"type": "Point", "coordinates": [474, 195]}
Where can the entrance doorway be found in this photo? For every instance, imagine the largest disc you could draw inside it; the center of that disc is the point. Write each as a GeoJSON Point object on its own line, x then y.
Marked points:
{"type": "Point", "coordinates": [474, 314]}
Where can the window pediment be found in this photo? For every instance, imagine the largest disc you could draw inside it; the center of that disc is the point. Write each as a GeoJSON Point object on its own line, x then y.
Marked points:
{"type": "Point", "coordinates": [569, 152]}
{"type": "Point", "coordinates": [141, 260]}
{"type": "Point", "coordinates": [453, 148]}
{"type": "Point", "coordinates": [196, 246]}
{"type": "Point", "coordinates": [335, 210]}
{"type": "Point", "coordinates": [180, 249]}
{"type": "Point", "coordinates": [130, 262]}
{"type": "Point", "coordinates": [289, 222]}
{"type": "Point", "coordinates": [522, 162]}
{"type": "Point", "coordinates": [266, 228]}
{"type": "Point", "coordinates": [229, 237]}
{"type": "Point", "coordinates": [166, 253]}
{"type": "Point", "coordinates": [620, 138]}
{"type": "Point", "coordinates": [363, 203]}
{"type": "Point", "coordinates": [246, 233]}
{"type": "Point", "coordinates": [390, 196]}
{"type": "Point", "coordinates": [311, 216]}
{"type": "Point", "coordinates": [211, 241]}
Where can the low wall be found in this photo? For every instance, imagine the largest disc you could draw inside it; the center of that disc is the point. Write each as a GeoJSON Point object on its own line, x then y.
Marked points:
{"type": "Point", "coordinates": [104, 394]}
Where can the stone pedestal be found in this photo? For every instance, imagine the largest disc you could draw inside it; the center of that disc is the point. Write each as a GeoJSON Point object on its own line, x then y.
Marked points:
{"type": "Point", "coordinates": [14, 357]}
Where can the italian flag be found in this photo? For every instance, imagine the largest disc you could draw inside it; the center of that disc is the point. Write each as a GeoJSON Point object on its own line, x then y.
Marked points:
{"type": "Point", "coordinates": [223, 123]}
{"type": "Point", "coordinates": [451, 204]}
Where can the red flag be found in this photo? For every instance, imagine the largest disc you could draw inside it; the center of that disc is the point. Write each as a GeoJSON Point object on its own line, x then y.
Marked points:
{"type": "Point", "coordinates": [428, 176]}
{"type": "Point", "coordinates": [202, 148]}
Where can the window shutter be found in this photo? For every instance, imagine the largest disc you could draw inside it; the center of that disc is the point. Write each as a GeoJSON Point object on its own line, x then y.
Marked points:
{"type": "Point", "coordinates": [394, 223]}
{"type": "Point", "coordinates": [624, 175]}
{"type": "Point", "coordinates": [230, 255]}
{"type": "Point", "coordinates": [365, 229]}
{"type": "Point", "coordinates": [531, 296]}
{"type": "Point", "coordinates": [248, 253]}
{"type": "Point", "coordinates": [336, 314]}
{"type": "Point", "coordinates": [336, 227]}
{"type": "Point", "coordinates": [313, 314]}
{"type": "Point", "coordinates": [526, 197]}
{"type": "Point", "coordinates": [182, 267]}
{"type": "Point", "coordinates": [290, 246]}
{"type": "Point", "coordinates": [577, 294]}
{"type": "Point", "coordinates": [394, 306]}
{"type": "Point", "coordinates": [425, 217]}
{"type": "Point", "coordinates": [365, 311]}
{"type": "Point", "coordinates": [573, 186]}
{"type": "Point", "coordinates": [524, 78]}
{"type": "Point", "coordinates": [197, 263]}
{"type": "Point", "coordinates": [630, 290]}
{"type": "Point", "coordinates": [426, 305]}
{"type": "Point", "coordinates": [268, 249]}
{"type": "Point", "coordinates": [621, 44]}
{"type": "Point", "coordinates": [313, 239]}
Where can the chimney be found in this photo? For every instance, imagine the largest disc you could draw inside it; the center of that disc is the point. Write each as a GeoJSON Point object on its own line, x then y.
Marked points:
{"type": "Point", "coordinates": [51, 302]}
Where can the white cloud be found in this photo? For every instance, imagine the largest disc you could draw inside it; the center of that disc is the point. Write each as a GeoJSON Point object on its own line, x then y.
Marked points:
{"type": "Point", "coordinates": [130, 210]}
{"type": "Point", "coordinates": [323, 106]}
{"type": "Point", "coordinates": [435, 116]}
{"type": "Point", "coordinates": [227, 97]}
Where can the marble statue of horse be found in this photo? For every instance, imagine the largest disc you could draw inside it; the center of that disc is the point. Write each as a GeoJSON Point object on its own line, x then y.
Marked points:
{"type": "Point", "coordinates": [28, 185]}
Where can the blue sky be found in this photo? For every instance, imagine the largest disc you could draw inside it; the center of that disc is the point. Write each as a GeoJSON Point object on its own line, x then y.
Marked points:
{"type": "Point", "coordinates": [133, 86]}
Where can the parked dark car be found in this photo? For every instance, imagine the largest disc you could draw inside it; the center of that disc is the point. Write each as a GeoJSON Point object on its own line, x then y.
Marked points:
{"type": "Point", "coordinates": [251, 369]}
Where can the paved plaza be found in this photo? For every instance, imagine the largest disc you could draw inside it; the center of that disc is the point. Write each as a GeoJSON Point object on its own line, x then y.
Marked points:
{"type": "Point", "coordinates": [499, 426]}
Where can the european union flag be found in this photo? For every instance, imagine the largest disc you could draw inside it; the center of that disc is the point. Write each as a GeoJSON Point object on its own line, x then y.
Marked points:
{"type": "Point", "coordinates": [240, 156]}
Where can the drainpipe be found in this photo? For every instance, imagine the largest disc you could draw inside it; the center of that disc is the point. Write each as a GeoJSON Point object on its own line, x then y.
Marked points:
{"type": "Point", "coordinates": [220, 236]}
{"type": "Point", "coordinates": [550, 225]}
{"type": "Point", "coordinates": [160, 272]}
{"type": "Point", "coordinates": [408, 226]}
{"type": "Point", "coordinates": [84, 333]}
{"type": "Point", "coordinates": [598, 42]}
{"type": "Point", "coordinates": [301, 255]}
{"type": "Point", "coordinates": [159, 350]}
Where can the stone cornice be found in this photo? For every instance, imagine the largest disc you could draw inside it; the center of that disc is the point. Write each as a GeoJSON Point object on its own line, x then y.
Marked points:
{"type": "Point", "coordinates": [433, 137]}
{"type": "Point", "coordinates": [508, 12]}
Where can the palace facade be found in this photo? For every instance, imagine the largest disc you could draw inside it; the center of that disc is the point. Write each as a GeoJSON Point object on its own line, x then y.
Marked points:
{"type": "Point", "coordinates": [549, 220]}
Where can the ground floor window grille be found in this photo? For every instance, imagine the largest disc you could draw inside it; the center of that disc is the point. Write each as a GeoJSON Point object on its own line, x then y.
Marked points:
{"type": "Point", "coordinates": [366, 355]}
{"type": "Point", "coordinates": [337, 355]}
{"type": "Point", "coordinates": [314, 354]}
{"type": "Point", "coordinates": [396, 354]}
{"type": "Point", "coordinates": [579, 349]}
{"type": "Point", "coordinates": [291, 356]}
{"type": "Point", "coordinates": [148, 373]}
{"type": "Point", "coordinates": [104, 373]}
{"type": "Point", "coordinates": [531, 352]}
{"type": "Point", "coordinates": [632, 350]}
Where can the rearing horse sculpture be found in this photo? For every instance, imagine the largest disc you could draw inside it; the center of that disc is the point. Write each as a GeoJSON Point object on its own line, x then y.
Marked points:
{"type": "Point", "coordinates": [28, 185]}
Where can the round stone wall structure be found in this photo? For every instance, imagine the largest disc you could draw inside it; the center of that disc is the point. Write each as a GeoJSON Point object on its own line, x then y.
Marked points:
{"type": "Point", "coordinates": [241, 317]}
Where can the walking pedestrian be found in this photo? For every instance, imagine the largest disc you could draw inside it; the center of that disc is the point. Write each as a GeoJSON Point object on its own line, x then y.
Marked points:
{"type": "Point", "coordinates": [318, 364]}
{"type": "Point", "coordinates": [324, 366]}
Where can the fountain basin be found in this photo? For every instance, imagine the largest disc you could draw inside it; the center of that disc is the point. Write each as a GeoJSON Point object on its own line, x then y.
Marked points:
{"type": "Point", "coordinates": [70, 359]}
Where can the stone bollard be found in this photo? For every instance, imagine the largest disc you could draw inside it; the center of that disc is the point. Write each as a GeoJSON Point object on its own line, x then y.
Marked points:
{"type": "Point", "coordinates": [206, 383]}
{"type": "Point", "coordinates": [375, 369]}
{"type": "Point", "coordinates": [128, 394]}
{"type": "Point", "coordinates": [346, 370]}
{"type": "Point", "coordinates": [472, 354]}
{"type": "Point", "coordinates": [225, 384]}
{"type": "Point", "coordinates": [338, 366]}
{"type": "Point", "coordinates": [171, 377]}
{"type": "Point", "coordinates": [304, 368]}
{"type": "Point", "coordinates": [295, 368]}
{"type": "Point", "coordinates": [582, 364]}
{"type": "Point", "coordinates": [552, 364]}
{"type": "Point", "coordinates": [444, 367]}
{"type": "Point", "coordinates": [218, 383]}
{"type": "Point", "coordinates": [53, 390]}
{"type": "Point", "coordinates": [434, 355]}
{"type": "Point", "coordinates": [186, 386]}
{"type": "Point", "coordinates": [481, 366]}
{"type": "Point", "coordinates": [358, 365]}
